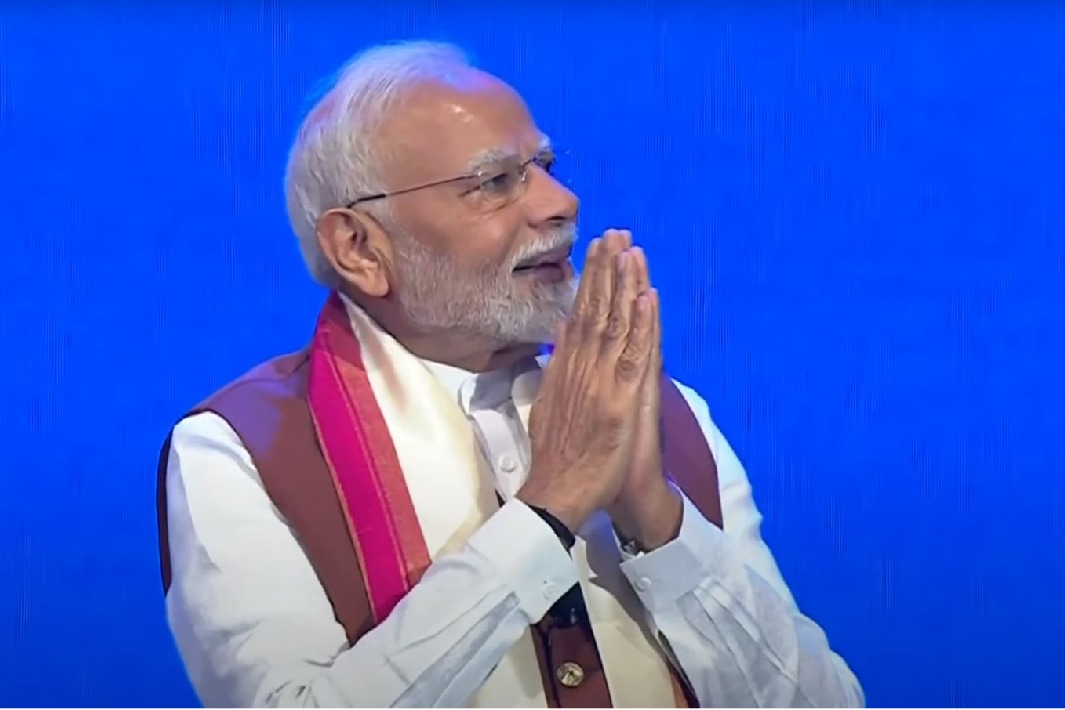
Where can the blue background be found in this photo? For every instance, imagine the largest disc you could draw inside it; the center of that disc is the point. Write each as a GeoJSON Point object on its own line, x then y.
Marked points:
{"type": "Point", "coordinates": [854, 213]}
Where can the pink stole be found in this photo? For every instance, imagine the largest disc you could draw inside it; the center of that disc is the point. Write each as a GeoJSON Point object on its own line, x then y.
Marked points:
{"type": "Point", "coordinates": [366, 470]}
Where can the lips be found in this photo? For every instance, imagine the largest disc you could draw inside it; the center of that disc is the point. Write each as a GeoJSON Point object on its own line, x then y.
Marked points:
{"type": "Point", "coordinates": [555, 257]}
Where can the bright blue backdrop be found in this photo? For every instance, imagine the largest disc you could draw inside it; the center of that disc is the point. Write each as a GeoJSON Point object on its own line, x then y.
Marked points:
{"type": "Point", "coordinates": [854, 213]}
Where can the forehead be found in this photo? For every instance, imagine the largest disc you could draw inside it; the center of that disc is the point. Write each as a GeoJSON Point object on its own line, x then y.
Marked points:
{"type": "Point", "coordinates": [448, 125]}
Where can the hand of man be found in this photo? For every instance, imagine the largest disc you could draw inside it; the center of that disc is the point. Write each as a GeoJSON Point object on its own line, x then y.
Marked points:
{"type": "Point", "coordinates": [648, 510]}
{"type": "Point", "coordinates": [582, 424]}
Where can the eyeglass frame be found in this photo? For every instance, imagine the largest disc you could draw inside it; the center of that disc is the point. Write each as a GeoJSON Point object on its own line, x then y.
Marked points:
{"type": "Point", "coordinates": [544, 158]}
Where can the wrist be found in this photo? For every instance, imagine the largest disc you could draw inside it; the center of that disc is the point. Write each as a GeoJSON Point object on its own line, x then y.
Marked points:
{"type": "Point", "coordinates": [652, 520]}
{"type": "Point", "coordinates": [564, 509]}
{"type": "Point", "coordinates": [559, 528]}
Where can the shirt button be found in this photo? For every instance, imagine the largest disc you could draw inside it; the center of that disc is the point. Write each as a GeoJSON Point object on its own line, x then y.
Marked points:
{"type": "Point", "coordinates": [570, 674]}
{"type": "Point", "coordinates": [643, 584]}
{"type": "Point", "coordinates": [507, 464]}
{"type": "Point", "coordinates": [549, 591]}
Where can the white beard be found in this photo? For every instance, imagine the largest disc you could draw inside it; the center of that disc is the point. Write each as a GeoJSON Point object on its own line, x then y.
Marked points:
{"type": "Point", "coordinates": [438, 294]}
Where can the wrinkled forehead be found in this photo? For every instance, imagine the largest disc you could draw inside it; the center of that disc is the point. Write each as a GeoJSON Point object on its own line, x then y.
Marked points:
{"type": "Point", "coordinates": [460, 124]}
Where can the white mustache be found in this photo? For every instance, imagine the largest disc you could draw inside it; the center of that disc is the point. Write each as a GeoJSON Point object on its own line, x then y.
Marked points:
{"type": "Point", "coordinates": [561, 238]}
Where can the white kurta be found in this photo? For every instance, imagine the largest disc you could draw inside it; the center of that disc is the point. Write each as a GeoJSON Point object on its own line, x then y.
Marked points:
{"type": "Point", "coordinates": [255, 628]}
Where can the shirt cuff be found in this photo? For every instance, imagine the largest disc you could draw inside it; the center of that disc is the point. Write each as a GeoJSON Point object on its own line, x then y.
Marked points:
{"type": "Point", "coordinates": [528, 556]}
{"type": "Point", "coordinates": [661, 577]}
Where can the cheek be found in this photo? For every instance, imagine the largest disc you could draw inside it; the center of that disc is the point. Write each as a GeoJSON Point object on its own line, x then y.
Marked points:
{"type": "Point", "coordinates": [496, 241]}
{"type": "Point", "coordinates": [473, 243]}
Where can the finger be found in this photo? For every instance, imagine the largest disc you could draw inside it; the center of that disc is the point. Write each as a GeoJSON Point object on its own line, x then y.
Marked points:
{"type": "Point", "coordinates": [643, 275]}
{"type": "Point", "coordinates": [656, 333]}
{"type": "Point", "coordinates": [652, 376]}
{"type": "Point", "coordinates": [617, 240]}
{"type": "Point", "coordinates": [622, 304]}
{"type": "Point", "coordinates": [592, 305]}
{"type": "Point", "coordinates": [636, 353]}
{"type": "Point", "coordinates": [560, 335]}
{"type": "Point", "coordinates": [591, 266]}
{"type": "Point", "coordinates": [558, 356]}
{"type": "Point", "coordinates": [596, 291]}
{"type": "Point", "coordinates": [612, 243]}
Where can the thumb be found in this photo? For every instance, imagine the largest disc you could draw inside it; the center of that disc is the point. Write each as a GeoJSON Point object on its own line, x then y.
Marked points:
{"type": "Point", "coordinates": [560, 336]}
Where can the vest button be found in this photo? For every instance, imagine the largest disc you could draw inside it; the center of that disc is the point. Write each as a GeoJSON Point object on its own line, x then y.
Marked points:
{"type": "Point", "coordinates": [570, 674]}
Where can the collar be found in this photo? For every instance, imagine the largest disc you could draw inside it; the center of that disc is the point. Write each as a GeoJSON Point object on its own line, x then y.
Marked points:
{"type": "Point", "coordinates": [474, 390]}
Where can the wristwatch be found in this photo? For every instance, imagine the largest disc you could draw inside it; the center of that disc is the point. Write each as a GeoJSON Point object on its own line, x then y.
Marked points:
{"type": "Point", "coordinates": [630, 546]}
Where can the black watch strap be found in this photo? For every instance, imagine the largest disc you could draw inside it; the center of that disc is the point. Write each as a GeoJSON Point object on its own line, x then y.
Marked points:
{"type": "Point", "coordinates": [565, 535]}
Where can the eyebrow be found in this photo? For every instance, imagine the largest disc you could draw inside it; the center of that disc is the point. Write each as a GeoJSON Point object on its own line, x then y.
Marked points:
{"type": "Point", "coordinates": [491, 157]}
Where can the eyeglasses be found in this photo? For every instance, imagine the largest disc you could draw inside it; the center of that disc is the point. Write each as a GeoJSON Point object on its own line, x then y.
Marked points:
{"type": "Point", "coordinates": [492, 188]}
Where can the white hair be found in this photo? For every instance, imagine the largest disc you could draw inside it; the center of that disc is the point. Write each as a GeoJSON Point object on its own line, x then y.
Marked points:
{"type": "Point", "coordinates": [334, 159]}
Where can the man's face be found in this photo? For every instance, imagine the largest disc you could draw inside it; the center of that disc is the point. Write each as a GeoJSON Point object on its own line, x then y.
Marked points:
{"type": "Point", "coordinates": [487, 256]}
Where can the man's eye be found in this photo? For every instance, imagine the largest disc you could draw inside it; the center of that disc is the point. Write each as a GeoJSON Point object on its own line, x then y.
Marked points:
{"type": "Point", "coordinates": [546, 163]}
{"type": "Point", "coordinates": [500, 182]}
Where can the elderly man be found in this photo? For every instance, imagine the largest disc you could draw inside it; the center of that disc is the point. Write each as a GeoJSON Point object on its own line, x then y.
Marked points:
{"type": "Point", "coordinates": [419, 509]}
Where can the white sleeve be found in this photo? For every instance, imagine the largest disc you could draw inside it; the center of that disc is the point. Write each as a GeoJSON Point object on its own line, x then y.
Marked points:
{"type": "Point", "coordinates": [255, 628]}
{"type": "Point", "coordinates": [726, 613]}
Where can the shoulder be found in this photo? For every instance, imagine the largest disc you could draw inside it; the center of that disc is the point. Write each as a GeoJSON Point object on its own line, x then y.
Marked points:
{"type": "Point", "coordinates": [249, 411]}
{"type": "Point", "coordinates": [731, 473]}
{"type": "Point", "coordinates": [282, 376]}
{"type": "Point", "coordinates": [203, 430]}
{"type": "Point", "coordinates": [701, 410]}
{"type": "Point", "coordinates": [206, 463]}
{"type": "Point", "coordinates": [695, 401]}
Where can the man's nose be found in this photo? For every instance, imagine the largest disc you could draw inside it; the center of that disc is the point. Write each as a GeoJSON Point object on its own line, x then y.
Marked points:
{"type": "Point", "coordinates": [549, 200]}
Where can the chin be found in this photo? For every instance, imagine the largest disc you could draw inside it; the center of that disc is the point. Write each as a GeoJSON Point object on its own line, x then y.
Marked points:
{"type": "Point", "coordinates": [528, 334]}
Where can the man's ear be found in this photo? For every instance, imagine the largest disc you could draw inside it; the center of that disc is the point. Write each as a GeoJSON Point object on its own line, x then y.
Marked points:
{"type": "Point", "coordinates": [358, 249]}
